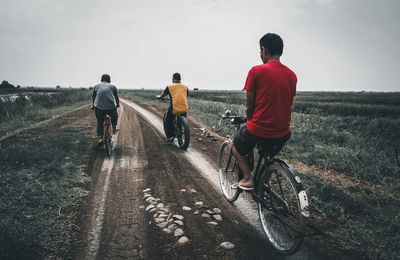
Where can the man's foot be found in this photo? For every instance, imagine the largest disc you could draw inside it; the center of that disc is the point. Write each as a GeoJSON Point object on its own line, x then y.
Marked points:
{"type": "Point", "coordinates": [246, 184]}
{"type": "Point", "coordinates": [101, 142]}
{"type": "Point", "coordinates": [168, 140]}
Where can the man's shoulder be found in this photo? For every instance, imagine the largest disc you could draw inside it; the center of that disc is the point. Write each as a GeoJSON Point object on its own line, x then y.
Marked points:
{"type": "Point", "coordinates": [257, 69]}
{"type": "Point", "coordinates": [177, 85]}
{"type": "Point", "coordinates": [289, 71]}
{"type": "Point", "coordinates": [270, 67]}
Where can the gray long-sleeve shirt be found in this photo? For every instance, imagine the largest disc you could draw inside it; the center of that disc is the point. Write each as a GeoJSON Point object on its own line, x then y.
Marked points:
{"type": "Point", "coordinates": [105, 96]}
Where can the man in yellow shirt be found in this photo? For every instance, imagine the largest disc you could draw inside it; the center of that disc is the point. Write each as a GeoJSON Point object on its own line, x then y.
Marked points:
{"type": "Point", "coordinates": [178, 93]}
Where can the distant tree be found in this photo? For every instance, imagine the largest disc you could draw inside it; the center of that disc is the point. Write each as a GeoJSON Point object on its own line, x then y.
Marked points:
{"type": "Point", "coordinates": [18, 86]}
{"type": "Point", "coordinates": [58, 87]}
{"type": "Point", "coordinates": [5, 84]}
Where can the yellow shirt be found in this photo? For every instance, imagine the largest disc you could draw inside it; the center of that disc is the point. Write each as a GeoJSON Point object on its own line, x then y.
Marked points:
{"type": "Point", "coordinates": [179, 93]}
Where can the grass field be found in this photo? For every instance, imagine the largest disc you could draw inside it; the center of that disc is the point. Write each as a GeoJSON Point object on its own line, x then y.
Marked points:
{"type": "Point", "coordinates": [347, 150]}
{"type": "Point", "coordinates": [29, 106]}
{"type": "Point", "coordinates": [43, 175]}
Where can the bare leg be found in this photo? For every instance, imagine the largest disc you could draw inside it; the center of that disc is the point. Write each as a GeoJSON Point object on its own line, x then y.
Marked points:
{"type": "Point", "coordinates": [247, 180]}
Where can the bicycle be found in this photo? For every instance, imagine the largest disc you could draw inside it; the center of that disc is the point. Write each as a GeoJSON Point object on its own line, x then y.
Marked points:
{"type": "Point", "coordinates": [181, 129]}
{"type": "Point", "coordinates": [282, 202]}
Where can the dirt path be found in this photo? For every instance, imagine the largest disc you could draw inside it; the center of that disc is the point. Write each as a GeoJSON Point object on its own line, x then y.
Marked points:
{"type": "Point", "coordinates": [120, 223]}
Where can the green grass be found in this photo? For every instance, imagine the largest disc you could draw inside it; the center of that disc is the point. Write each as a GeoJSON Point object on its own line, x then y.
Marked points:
{"type": "Point", "coordinates": [33, 107]}
{"type": "Point", "coordinates": [42, 183]}
{"type": "Point", "coordinates": [355, 134]}
{"type": "Point", "coordinates": [344, 143]}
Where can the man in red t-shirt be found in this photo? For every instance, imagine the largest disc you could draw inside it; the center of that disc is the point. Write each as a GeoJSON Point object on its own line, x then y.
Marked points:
{"type": "Point", "coordinates": [270, 89]}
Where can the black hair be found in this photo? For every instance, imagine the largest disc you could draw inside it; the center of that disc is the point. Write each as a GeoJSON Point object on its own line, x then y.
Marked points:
{"type": "Point", "coordinates": [273, 43]}
{"type": "Point", "coordinates": [105, 78]}
{"type": "Point", "coordinates": [176, 76]}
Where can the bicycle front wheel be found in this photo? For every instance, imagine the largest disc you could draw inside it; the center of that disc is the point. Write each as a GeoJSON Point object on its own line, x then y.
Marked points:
{"type": "Point", "coordinates": [228, 171]}
{"type": "Point", "coordinates": [279, 209]}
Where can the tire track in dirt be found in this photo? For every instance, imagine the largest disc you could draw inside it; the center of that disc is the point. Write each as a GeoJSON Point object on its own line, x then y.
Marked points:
{"type": "Point", "coordinates": [98, 205]}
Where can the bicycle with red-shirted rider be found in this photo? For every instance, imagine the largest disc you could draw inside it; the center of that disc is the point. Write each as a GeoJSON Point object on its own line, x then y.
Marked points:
{"type": "Point", "coordinates": [281, 199]}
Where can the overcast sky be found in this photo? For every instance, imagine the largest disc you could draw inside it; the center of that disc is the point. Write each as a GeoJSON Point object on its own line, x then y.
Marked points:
{"type": "Point", "coordinates": [331, 45]}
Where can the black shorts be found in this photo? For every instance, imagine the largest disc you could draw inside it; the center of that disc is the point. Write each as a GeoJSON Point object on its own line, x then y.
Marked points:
{"type": "Point", "coordinates": [245, 142]}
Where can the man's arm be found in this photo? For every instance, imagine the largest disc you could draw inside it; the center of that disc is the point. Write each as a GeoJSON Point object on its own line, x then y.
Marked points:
{"type": "Point", "coordinates": [115, 92]}
{"type": "Point", "coordinates": [250, 88]}
{"type": "Point", "coordinates": [250, 104]}
{"type": "Point", "coordinates": [94, 96]}
{"type": "Point", "coordinates": [164, 93]}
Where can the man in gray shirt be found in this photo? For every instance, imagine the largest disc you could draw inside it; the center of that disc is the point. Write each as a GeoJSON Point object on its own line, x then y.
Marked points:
{"type": "Point", "coordinates": [105, 101]}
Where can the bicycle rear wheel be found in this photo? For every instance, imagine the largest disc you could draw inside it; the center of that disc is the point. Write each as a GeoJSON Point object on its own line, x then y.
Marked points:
{"type": "Point", "coordinates": [228, 171]}
{"type": "Point", "coordinates": [279, 209]}
{"type": "Point", "coordinates": [183, 133]}
{"type": "Point", "coordinates": [107, 135]}
{"type": "Point", "coordinates": [165, 124]}
{"type": "Point", "coordinates": [108, 146]}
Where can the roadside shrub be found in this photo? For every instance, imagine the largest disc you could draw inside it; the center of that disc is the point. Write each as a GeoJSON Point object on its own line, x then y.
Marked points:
{"type": "Point", "coordinates": [29, 104]}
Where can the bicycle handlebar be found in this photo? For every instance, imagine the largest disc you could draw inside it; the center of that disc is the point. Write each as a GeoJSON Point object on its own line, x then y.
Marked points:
{"type": "Point", "coordinates": [235, 120]}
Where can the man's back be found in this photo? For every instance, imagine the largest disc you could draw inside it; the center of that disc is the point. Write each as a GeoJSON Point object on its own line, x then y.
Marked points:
{"type": "Point", "coordinates": [274, 86]}
{"type": "Point", "coordinates": [105, 96]}
{"type": "Point", "coordinates": [179, 93]}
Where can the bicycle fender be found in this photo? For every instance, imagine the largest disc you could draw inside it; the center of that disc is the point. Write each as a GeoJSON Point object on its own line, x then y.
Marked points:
{"type": "Point", "coordinates": [305, 208]}
{"type": "Point", "coordinates": [302, 195]}
{"type": "Point", "coordinates": [292, 170]}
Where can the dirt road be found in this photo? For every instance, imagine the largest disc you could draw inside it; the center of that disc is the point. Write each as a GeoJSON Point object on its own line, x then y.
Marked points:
{"type": "Point", "coordinates": [121, 224]}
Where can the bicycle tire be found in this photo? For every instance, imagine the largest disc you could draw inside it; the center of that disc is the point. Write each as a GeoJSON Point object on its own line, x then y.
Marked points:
{"type": "Point", "coordinates": [165, 125]}
{"type": "Point", "coordinates": [280, 212]}
{"type": "Point", "coordinates": [107, 135]}
{"type": "Point", "coordinates": [108, 147]}
{"type": "Point", "coordinates": [183, 133]}
{"type": "Point", "coordinates": [228, 172]}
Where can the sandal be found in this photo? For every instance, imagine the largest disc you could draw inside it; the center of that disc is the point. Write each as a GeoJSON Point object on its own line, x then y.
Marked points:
{"type": "Point", "coordinates": [245, 188]}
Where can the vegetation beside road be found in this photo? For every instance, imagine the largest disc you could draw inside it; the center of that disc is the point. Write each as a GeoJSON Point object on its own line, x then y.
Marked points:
{"type": "Point", "coordinates": [43, 183]}
{"type": "Point", "coordinates": [23, 107]}
{"type": "Point", "coordinates": [43, 171]}
{"type": "Point", "coordinates": [348, 152]}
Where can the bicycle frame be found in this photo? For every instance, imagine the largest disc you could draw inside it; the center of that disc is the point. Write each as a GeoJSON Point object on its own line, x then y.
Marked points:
{"type": "Point", "coordinates": [176, 124]}
{"type": "Point", "coordinates": [107, 125]}
{"type": "Point", "coordinates": [263, 163]}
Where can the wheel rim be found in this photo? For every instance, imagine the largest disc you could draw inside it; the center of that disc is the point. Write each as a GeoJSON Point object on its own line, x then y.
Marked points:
{"type": "Point", "coordinates": [228, 172]}
{"type": "Point", "coordinates": [281, 220]}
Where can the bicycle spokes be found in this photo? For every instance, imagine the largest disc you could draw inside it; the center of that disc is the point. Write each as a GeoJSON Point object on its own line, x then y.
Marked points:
{"type": "Point", "coordinates": [228, 172]}
{"type": "Point", "coordinates": [279, 211]}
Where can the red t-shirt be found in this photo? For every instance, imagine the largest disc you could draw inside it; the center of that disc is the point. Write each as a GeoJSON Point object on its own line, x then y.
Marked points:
{"type": "Point", "coordinates": [274, 86]}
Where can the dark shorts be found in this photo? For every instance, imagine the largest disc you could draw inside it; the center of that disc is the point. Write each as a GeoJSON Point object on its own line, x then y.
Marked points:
{"type": "Point", "coordinates": [245, 142]}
